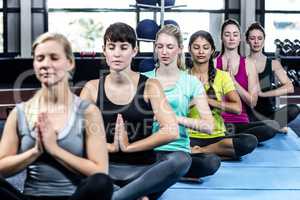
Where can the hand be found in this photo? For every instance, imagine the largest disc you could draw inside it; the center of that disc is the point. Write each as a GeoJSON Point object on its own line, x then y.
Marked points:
{"type": "Point", "coordinates": [38, 147]}
{"type": "Point", "coordinates": [115, 146]}
{"type": "Point", "coordinates": [47, 133]}
{"type": "Point", "coordinates": [122, 133]}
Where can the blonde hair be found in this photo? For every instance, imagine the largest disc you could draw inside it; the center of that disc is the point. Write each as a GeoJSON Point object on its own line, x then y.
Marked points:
{"type": "Point", "coordinates": [31, 107]}
{"type": "Point", "coordinates": [174, 31]}
{"type": "Point", "coordinates": [61, 39]}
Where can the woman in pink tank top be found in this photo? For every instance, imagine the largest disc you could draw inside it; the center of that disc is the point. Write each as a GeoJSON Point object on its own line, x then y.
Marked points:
{"type": "Point", "coordinates": [245, 78]}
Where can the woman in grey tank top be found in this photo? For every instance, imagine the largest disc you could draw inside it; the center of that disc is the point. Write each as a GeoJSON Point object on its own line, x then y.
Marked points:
{"type": "Point", "coordinates": [57, 137]}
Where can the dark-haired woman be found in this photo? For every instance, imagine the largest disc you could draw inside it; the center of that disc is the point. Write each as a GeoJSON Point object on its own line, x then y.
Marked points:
{"type": "Point", "coordinates": [129, 101]}
{"type": "Point", "coordinates": [221, 97]}
{"type": "Point", "coordinates": [266, 69]}
{"type": "Point", "coordinates": [244, 76]}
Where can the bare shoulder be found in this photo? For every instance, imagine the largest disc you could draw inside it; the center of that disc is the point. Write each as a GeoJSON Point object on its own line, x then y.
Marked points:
{"type": "Point", "coordinates": [276, 65]}
{"type": "Point", "coordinates": [93, 84]}
{"type": "Point", "coordinates": [152, 85]}
{"type": "Point", "coordinates": [250, 66]}
{"type": "Point", "coordinates": [90, 90]}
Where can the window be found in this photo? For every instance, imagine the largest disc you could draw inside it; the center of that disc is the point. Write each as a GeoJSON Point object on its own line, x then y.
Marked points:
{"type": "Point", "coordinates": [282, 21]}
{"type": "Point", "coordinates": [84, 22]}
{"type": "Point", "coordinates": [87, 20]}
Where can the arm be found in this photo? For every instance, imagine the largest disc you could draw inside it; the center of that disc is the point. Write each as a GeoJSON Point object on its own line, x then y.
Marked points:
{"type": "Point", "coordinates": [164, 115]}
{"type": "Point", "coordinates": [250, 96]}
{"type": "Point", "coordinates": [206, 123]}
{"type": "Point", "coordinates": [97, 157]}
{"type": "Point", "coordinates": [89, 92]}
{"type": "Point", "coordinates": [286, 84]}
{"type": "Point", "coordinates": [232, 104]}
{"type": "Point", "coordinates": [10, 161]}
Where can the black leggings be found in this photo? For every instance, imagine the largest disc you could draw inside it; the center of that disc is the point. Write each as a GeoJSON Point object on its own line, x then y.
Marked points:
{"type": "Point", "coordinates": [263, 130]}
{"type": "Point", "coordinates": [149, 180]}
{"type": "Point", "coordinates": [243, 143]}
{"type": "Point", "coordinates": [283, 115]}
{"type": "Point", "coordinates": [205, 164]}
{"type": "Point", "coordinates": [98, 186]}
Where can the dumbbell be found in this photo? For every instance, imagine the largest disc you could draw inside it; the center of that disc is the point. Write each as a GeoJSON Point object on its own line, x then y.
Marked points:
{"type": "Point", "coordinates": [293, 76]}
{"type": "Point", "coordinates": [297, 47]}
{"type": "Point", "coordinates": [278, 43]}
{"type": "Point", "coordinates": [287, 48]}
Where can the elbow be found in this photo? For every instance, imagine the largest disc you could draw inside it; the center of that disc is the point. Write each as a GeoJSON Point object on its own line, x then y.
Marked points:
{"type": "Point", "coordinates": [209, 126]}
{"type": "Point", "coordinates": [172, 131]}
{"type": "Point", "coordinates": [238, 110]}
{"type": "Point", "coordinates": [290, 88]}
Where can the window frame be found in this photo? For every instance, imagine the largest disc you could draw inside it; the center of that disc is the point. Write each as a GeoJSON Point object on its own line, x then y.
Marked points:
{"type": "Point", "coordinates": [262, 12]}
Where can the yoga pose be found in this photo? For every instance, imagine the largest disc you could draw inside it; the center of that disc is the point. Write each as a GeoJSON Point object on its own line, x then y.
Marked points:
{"type": "Point", "coordinates": [266, 69]}
{"type": "Point", "coordinates": [245, 79]}
{"type": "Point", "coordinates": [129, 101]}
{"type": "Point", "coordinates": [55, 135]}
{"type": "Point", "coordinates": [222, 96]}
{"type": "Point", "coordinates": [182, 90]}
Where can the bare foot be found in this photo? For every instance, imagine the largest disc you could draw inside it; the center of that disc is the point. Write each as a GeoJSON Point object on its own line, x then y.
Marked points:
{"type": "Point", "coordinates": [144, 198]}
{"type": "Point", "coordinates": [197, 149]}
{"type": "Point", "coordinates": [284, 129]}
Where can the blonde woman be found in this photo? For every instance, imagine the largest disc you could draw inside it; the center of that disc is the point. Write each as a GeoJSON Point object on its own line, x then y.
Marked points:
{"type": "Point", "coordinates": [55, 135]}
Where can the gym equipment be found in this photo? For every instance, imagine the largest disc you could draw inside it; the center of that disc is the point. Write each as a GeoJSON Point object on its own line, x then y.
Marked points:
{"type": "Point", "coordinates": [287, 48]}
{"type": "Point", "coordinates": [146, 65]}
{"type": "Point", "coordinates": [170, 21]}
{"type": "Point", "coordinates": [147, 29]}
{"type": "Point", "coordinates": [167, 2]}
{"type": "Point", "coordinates": [296, 47]}
{"type": "Point", "coordinates": [147, 2]}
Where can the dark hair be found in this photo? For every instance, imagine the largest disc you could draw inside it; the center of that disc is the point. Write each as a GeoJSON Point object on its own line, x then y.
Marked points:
{"type": "Point", "coordinates": [255, 26]}
{"type": "Point", "coordinates": [211, 68]}
{"type": "Point", "coordinates": [230, 21]}
{"type": "Point", "coordinates": [120, 32]}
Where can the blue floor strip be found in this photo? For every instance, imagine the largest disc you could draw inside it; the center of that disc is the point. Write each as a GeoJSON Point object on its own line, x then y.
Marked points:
{"type": "Point", "coordinates": [272, 172]}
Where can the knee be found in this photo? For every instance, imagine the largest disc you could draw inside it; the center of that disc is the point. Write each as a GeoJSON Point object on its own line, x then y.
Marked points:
{"type": "Point", "coordinates": [99, 184]}
{"type": "Point", "coordinates": [180, 161]}
{"type": "Point", "coordinates": [272, 124]}
{"type": "Point", "coordinates": [203, 165]}
{"type": "Point", "coordinates": [293, 111]}
{"type": "Point", "coordinates": [244, 144]}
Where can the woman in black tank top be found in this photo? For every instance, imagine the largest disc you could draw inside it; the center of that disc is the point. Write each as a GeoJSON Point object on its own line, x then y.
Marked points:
{"type": "Point", "coordinates": [129, 102]}
{"type": "Point", "coordinates": [266, 68]}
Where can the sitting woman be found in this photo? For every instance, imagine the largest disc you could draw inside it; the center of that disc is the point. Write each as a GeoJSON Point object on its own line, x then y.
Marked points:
{"type": "Point", "coordinates": [56, 136]}
{"type": "Point", "coordinates": [266, 69]}
{"type": "Point", "coordinates": [183, 90]}
{"type": "Point", "coordinates": [129, 101]}
{"type": "Point", "coordinates": [245, 79]}
{"type": "Point", "coordinates": [221, 97]}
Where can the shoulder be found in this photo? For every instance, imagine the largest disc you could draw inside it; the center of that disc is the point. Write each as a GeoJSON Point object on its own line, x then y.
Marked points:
{"type": "Point", "coordinates": [92, 84]}
{"type": "Point", "coordinates": [276, 65]}
{"type": "Point", "coordinates": [152, 85]}
{"type": "Point", "coordinates": [90, 90]}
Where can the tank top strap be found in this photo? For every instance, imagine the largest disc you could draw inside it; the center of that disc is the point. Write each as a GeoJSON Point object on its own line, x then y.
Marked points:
{"type": "Point", "coordinates": [219, 62]}
{"type": "Point", "coordinates": [267, 70]}
{"type": "Point", "coordinates": [21, 118]}
{"type": "Point", "coordinates": [242, 67]}
{"type": "Point", "coordinates": [101, 96]}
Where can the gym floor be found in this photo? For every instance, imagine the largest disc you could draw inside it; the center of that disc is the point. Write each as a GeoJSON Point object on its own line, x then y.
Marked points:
{"type": "Point", "coordinates": [271, 172]}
